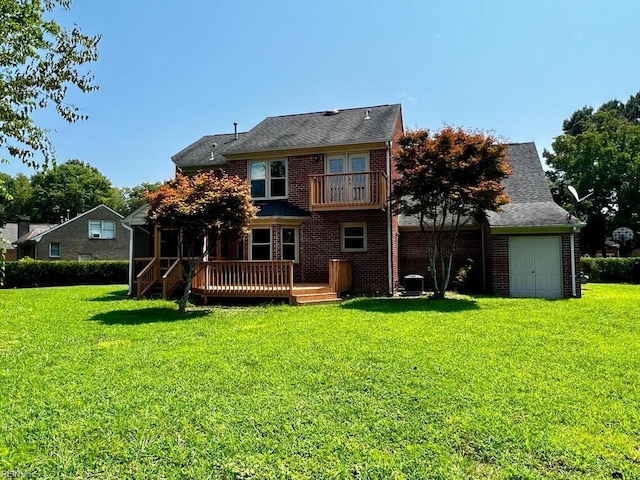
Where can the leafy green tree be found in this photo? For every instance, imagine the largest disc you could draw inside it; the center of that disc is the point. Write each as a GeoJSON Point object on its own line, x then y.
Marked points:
{"type": "Point", "coordinates": [135, 197]}
{"type": "Point", "coordinates": [447, 179]}
{"type": "Point", "coordinates": [198, 206]}
{"type": "Point", "coordinates": [39, 61]}
{"type": "Point", "coordinates": [599, 152]}
{"type": "Point", "coordinates": [18, 201]}
{"type": "Point", "coordinates": [68, 189]}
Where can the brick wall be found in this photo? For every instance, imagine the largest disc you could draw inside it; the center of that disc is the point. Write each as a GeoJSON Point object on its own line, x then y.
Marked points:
{"type": "Point", "coordinates": [320, 239]}
{"type": "Point", "coordinates": [74, 240]}
{"type": "Point", "coordinates": [413, 259]}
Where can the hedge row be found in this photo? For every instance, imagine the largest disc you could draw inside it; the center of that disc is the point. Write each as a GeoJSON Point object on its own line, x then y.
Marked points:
{"type": "Point", "coordinates": [38, 273]}
{"type": "Point", "coordinates": [611, 270]}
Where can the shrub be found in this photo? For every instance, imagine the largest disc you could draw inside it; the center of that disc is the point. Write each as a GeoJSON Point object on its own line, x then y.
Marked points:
{"type": "Point", "coordinates": [611, 270]}
{"type": "Point", "coordinates": [38, 273]}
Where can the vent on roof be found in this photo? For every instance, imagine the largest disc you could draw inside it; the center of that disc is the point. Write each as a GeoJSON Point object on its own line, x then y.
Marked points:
{"type": "Point", "coordinates": [366, 114]}
{"type": "Point", "coordinates": [335, 111]}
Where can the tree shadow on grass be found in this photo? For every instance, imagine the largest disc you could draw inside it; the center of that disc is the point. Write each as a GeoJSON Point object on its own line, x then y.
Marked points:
{"type": "Point", "coordinates": [404, 304]}
{"type": "Point", "coordinates": [113, 296]}
{"type": "Point", "coordinates": [146, 315]}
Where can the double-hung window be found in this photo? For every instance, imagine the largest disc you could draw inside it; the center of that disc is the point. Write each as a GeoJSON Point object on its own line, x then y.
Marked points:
{"type": "Point", "coordinates": [268, 178]}
{"type": "Point", "coordinates": [54, 250]}
{"type": "Point", "coordinates": [260, 244]}
{"type": "Point", "coordinates": [354, 237]}
{"type": "Point", "coordinates": [290, 243]}
{"type": "Point", "coordinates": [102, 229]}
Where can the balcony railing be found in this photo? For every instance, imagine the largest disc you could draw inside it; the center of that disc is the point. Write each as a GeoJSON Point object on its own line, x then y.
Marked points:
{"type": "Point", "coordinates": [348, 191]}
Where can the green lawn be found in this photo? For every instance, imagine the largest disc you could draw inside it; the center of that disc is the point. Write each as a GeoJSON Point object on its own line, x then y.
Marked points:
{"type": "Point", "coordinates": [93, 385]}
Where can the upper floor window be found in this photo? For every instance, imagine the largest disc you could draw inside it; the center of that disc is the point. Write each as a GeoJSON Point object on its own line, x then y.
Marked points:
{"type": "Point", "coordinates": [102, 229]}
{"type": "Point", "coordinates": [268, 178]}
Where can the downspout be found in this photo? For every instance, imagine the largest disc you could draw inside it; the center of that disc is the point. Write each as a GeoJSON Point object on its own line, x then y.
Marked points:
{"type": "Point", "coordinates": [389, 229]}
{"type": "Point", "coordinates": [573, 265]}
{"type": "Point", "coordinates": [484, 260]}
{"type": "Point", "coordinates": [130, 257]}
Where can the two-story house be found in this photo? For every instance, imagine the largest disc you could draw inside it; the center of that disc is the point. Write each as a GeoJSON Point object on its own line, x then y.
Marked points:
{"type": "Point", "coordinates": [325, 224]}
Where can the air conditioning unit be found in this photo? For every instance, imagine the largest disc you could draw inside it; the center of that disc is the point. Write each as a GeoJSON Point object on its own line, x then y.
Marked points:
{"type": "Point", "coordinates": [95, 235]}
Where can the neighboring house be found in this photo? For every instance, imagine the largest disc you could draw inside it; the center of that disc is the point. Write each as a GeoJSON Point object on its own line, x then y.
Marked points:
{"type": "Point", "coordinates": [13, 230]}
{"type": "Point", "coordinates": [321, 182]}
{"type": "Point", "coordinates": [97, 234]}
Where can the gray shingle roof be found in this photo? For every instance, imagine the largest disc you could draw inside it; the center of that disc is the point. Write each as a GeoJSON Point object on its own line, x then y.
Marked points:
{"type": "Point", "coordinates": [533, 205]}
{"type": "Point", "coordinates": [206, 152]}
{"type": "Point", "coordinates": [279, 208]}
{"type": "Point", "coordinates": [346, 127]}
{"type": "Point", "coordinates": [10, 231]}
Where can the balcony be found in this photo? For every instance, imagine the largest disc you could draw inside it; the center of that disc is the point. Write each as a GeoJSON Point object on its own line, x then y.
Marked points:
{"type": "Point", "coordinates": [348, 191]}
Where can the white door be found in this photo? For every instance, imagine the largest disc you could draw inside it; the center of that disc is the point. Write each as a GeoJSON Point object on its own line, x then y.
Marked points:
{"type": "Point", "coordinates": [535, 267]}
{"type": "Point", "coordinates": [345, 188]}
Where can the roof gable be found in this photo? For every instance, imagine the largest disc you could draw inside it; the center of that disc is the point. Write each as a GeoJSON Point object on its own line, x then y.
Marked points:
{"type": "Point", "coordinates": [206, 152]}
{"type": "Point", "coordinates": [38, 236]}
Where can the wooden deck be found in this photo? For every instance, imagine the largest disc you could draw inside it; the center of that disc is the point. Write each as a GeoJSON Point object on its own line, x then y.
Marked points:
{"type": "Point", "coordinates": [247, 279]}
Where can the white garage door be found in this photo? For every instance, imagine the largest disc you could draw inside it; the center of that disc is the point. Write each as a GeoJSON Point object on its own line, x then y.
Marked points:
{"type": "Point", "coordinates": [535, 267]}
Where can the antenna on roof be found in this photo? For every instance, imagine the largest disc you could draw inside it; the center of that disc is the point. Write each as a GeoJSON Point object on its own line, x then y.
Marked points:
{"type": "Point", "coordinates": [574, 192]}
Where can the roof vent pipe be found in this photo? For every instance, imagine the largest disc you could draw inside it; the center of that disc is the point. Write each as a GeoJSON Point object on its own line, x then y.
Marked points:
{"type": "Point", "coordinates": [235, 130]}
{"type": "Point", "coordinates": [366, 114]}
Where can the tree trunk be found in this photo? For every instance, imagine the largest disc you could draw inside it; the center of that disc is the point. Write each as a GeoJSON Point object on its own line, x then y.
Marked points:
{"type": "Point", "coordinates": [182, 305]}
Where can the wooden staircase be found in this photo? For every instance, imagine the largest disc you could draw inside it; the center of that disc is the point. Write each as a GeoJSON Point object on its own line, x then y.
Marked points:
{"type": "Point", "coordinates": [312, 294]}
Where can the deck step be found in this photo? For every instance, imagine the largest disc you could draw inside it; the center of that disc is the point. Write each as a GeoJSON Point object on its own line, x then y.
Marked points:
{"type": "Point", "coordinates": [314, 298]}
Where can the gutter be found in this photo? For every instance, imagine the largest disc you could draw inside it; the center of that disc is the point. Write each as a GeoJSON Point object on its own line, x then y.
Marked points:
{"type": "Point", "coordinates": [574, 290]}
{"type": "Point", "coordinates": [389, 233]}
{"type": "Point", "coordinates": [130, 257]}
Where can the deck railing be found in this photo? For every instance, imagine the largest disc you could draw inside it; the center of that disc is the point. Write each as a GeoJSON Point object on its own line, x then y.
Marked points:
{"type": "Point", "coordinates": [361, 190]}
{"type": "Point", "coordinates": [245, 278]}
{"type": "Point", "coordinates": [340, 275]}
{"type": "Point", "coordinates": [147, 277]}
{"type": "Point", "coordinates": [172, 278]}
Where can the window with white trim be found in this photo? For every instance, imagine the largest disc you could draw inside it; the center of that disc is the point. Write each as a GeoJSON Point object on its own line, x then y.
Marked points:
{"type": "Point", "coordinates": [268, 178]}
{"type": "Point", "coordinates": [102, 229]}
{"type": "Point", "coordinates": [260, 244]}
{"type": "Point", "coordinates": [54, 250]}
{"type": "Point", "coordinates": [353, 237]}
{"type": "Point", "coordinates": [290, 243]}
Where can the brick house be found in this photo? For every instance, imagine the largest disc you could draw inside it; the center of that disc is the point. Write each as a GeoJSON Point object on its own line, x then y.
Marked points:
{"type": "Point", "coordinates": [322, 181]}
{"type": "Point", "coordinates": [97, 234]}
{"type": "Point", "coordinates": [11, 231]}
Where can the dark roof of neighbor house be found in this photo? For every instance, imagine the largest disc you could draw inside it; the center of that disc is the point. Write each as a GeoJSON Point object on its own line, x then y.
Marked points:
{"type": "Point", "coordinates": [206, 152]}
{"type": "Point", "coordinates": [532, 204]}
{"type": "Point", "coordinates": [34, 236]}
{"type": "Point", "coordinates": [279, 208]}
{"type": "Point", "coordinates": [10, 231]}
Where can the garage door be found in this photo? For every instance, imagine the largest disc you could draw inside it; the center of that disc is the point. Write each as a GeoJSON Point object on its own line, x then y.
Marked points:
{"type": "Point", "coordinates": [535, 267]}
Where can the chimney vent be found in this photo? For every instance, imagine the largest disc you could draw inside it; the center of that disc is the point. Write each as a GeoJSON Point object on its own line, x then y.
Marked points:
{"type": "Point", "coordinates": [366, 114]}
{"type": "Point", "coordinates": [235, 130]}
{"type": "Point", "coordinates": [23, 225]}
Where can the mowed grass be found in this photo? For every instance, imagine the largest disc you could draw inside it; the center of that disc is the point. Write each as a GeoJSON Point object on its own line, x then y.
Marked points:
{"type": "Point", "coordinates": [94, 385]}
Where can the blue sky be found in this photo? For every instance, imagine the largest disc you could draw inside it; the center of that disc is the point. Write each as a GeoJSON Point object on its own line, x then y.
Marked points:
{"type": "Point", "coordinates": [172, 71]}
